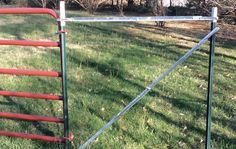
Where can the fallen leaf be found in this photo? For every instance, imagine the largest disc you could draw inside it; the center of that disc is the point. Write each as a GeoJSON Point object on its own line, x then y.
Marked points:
{"type": "Point", "coordinates": [144, 109]}
{"type": "Point", "coordinates": [234, 98]}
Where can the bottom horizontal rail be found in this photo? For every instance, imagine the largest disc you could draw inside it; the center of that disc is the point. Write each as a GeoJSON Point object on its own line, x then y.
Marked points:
{"type": "Point", "coordinates": [32, 136]}
{"type": "Point", "coordinates": [30, 117]}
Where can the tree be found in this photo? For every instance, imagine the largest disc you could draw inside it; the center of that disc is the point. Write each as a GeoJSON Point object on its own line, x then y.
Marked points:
{"type": "Point", "coordinates": [120, 6]}
{"type": "Point", "coordinates": [38, 3]}
{"type": "Point", "coordinates": [90, 5]}
{"type": "Point", "coordinates": [227, 9]}
{"type": "Point", "coordinates": [44, 3]}
{"type": "Point", "coordinates": [200, 5]}
{"type": "Point", "coordinates": [130, 4]}
{"type": "Point", "coordinates": [112, 3]}
{"type": "Point", "coordinates": [6, 1]}
{"type": "Point", "coordinates": [159, 10]}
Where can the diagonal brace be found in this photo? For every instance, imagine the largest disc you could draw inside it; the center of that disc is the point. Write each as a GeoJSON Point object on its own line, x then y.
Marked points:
{"type": "Point", "coordinates": [149, 88]}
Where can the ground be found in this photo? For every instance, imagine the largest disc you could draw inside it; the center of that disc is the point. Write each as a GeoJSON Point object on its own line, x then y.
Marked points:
{"type": "Point", "coordinates": [109, 65]}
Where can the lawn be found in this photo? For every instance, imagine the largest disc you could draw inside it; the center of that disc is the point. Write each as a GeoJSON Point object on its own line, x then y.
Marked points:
{"type": "Point", "coordinates": [109, 64]}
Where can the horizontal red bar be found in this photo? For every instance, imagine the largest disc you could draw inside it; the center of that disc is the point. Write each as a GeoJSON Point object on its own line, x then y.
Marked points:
{"type": "Point", "coordinates": [30, 95]}
{"type": "Point", "coordinates": [30, 43]}
{"type": "Point", "coordinates": [31, 136]}
{"type": "Point", "coordinates": [29, 11]}
{"type": "Point", "coordinates": [30, 117]}
{"type": "Point", "coordinates": [30, 72]}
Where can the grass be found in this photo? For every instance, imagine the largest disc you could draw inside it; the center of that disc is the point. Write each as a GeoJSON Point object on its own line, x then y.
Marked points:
{"type": "Point", "coordinates": [109, 64]}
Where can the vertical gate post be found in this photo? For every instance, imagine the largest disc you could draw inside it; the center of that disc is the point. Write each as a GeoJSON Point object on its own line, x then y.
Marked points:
{"type": "Point", "coordinates": [64, 73]}
{"type": "Point", "coordinates": [210, 80]}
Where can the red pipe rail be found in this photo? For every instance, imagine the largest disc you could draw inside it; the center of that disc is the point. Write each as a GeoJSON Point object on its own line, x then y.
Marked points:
{"type": "Point", "coordinates": [30, 117]}
{"type": "Point", "coordinates": [30, 72]}
{"type": "Point", "coordinates": [30, 43]}
{"type": "Point", "coordinates": [31, 136]}
{"type": "Point", "coordinates": [30, 95]}
{"type": "Point", "coordinates": [29, 11]}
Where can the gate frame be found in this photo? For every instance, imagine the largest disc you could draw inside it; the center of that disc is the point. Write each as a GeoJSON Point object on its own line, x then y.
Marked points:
{"type": "Point", "coordinates": [63, 53]}
{"type": "Point", "coordinates": [213, 19]}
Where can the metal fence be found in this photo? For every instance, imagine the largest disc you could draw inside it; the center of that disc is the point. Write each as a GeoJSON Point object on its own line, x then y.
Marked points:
{"type": "Point", "coordinates": [213, 19]}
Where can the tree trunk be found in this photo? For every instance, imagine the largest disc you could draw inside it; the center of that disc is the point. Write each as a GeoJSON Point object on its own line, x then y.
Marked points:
{"type": "Point", "coordinates": [44, 3]}
{"type": "Point", "coordinates": [235, 15]}
{"type": "Point", "coordinates": [149, 3]}
{"type": "Point", "coordinates": [155, 7]}
{"type": "Point", "coordinates": [162, 9]}
{"type": "Point", "coordinates": [130, 3]}
{"type": "Point", "coordinates": [158, 10]}
{"type": "Point", "coordinates": [121, 7]}
{"type": "Point", "coordinates": [22, 3]}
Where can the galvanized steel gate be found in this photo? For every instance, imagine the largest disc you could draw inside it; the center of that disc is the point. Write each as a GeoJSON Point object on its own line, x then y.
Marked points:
{"type": "Point", "coordinates": [63, 74]}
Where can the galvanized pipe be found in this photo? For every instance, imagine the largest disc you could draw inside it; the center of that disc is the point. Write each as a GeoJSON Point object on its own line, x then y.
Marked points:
{"type": "Point", "coordinates": [210, 81]}
{"type": "Point", "coordinates": [138, 19]}
{"type": "Point", "coordinates": [149, 88]}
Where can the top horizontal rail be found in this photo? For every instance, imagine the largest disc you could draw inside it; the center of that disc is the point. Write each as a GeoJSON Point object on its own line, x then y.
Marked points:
{"type": "Point", "coordinates": [29, 11]}
{"type": "Point", "coordinates": [138, 19]}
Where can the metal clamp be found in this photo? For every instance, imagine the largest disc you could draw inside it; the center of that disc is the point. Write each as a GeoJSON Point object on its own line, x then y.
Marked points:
{"type": "Point", "coordinates": [61, 32]}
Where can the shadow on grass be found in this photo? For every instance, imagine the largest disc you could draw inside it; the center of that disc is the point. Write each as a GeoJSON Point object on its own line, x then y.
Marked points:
{"type": "Point", "coordinates": [190, 127]}
{"type": "Point", "coordinates": [28, 26]}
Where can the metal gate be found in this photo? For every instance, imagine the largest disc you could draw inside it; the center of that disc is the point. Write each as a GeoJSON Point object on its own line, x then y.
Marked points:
{"type": "Point", "coordinates": [63, 75]}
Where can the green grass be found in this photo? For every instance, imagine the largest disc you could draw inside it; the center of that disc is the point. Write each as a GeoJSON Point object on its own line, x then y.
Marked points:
{"type": "Point", "coordinates": [109, 64]}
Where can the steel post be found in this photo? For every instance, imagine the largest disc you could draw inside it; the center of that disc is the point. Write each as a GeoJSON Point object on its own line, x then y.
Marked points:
{"type": "Point", "coordinates": [64, 74]}
{"type": "Point", "coordinates": [210, 81]}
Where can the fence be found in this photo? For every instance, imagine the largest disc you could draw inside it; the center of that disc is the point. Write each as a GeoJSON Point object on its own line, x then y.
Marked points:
{"type": "Point", "coordinates": [62, 44]}
{"type": "Point", "coordinates": [213, 19]}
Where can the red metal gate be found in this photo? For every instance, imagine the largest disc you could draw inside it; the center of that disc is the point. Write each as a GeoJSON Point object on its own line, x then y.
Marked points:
{"type": "Point", "coordinates": [62, 75]}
